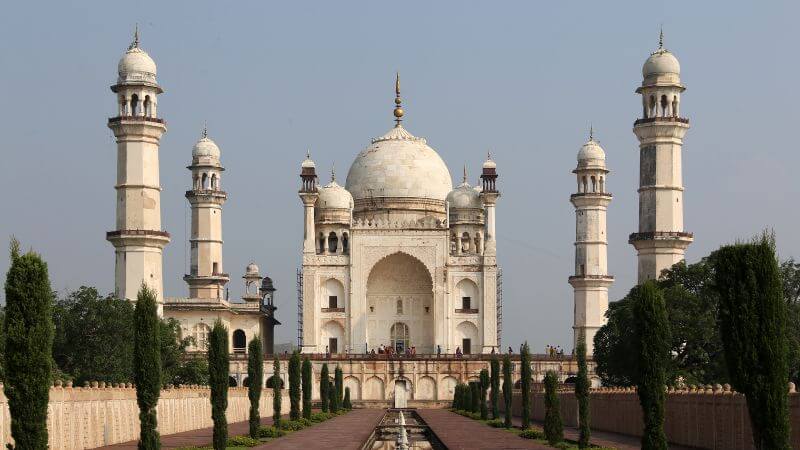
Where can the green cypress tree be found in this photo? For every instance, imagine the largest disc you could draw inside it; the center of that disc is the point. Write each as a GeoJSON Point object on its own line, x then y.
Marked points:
{"type": "Point", "coordinates": [454, 404]}
{"type": "Point", "coordinates": [508, 386]}
{"type": "Point", "coordinates": [307, 388]}
{"type": "Point", "coordinates": [338, 382]}
{"type": "Point", "coordinates": [525, 372]}
{"type": "Point", "coordinates": [324, 382]}
{"type": "Point", "coordinates": [294, 385]}
{"type": "Point", "coordinates": [582, 395]}
{"type": "Point", "coordinates": [752, 320]}
{"type": "Point", "coordinates": [467, 397]}
{"type": "Point", "coordinates": [276, 393]}
{"type": "Point", "coordinates": [475, 396]}
{"type": "Point", "coordinates": [347, 405]}
{"type": "Point", "coordinates": [484, 387]}
{"type": "Point", "coordinates": [218, 381]}
{"type": "Point", "coordinates": [333, 401]}
{"type": "Point", "coordinates": [553, 428]}
{"type": "Point", "coordinates": [495, 384]}
{"type": "Point", "coordinates": [28, 329]}
{"type": "Point", "coordinates": [652, 343]}
{"type": "Point", "coordinates": [255, 376]}
{"type": "Point", "coordinates": [147, 366]}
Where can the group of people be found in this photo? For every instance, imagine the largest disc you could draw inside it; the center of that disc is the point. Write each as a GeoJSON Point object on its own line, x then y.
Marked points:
{"type": "Point", "coordinates": [391, 351]}
{"type": "Point", "coordinates": [554, 350]}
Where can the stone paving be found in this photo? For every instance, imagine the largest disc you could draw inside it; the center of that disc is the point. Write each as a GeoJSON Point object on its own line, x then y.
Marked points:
{"type": "Point", "coordinates": [346, 432]}
{"type": "Point", "coordinates": [461, 433]}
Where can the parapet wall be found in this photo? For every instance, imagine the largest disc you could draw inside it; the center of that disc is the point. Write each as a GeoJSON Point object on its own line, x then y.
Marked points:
{"type": "Point", "coordinates": [701, 417]}
{"type": "Point", "coordinates": [89, 417]}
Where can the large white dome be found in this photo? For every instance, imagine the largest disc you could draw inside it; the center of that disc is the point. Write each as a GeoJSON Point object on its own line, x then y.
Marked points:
{"type": "Point", "coordinates": [465, 197]}
{"type": "Point", "coordinates": [332, 195]}
{"type": "Point", "coordinates": [399, 165]}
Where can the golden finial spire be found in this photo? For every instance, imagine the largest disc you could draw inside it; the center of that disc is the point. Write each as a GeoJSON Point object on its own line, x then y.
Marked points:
{"type": "Point", "coordinates": [661, 38]}
{"type": "Point", "coordinates": [398, 109]}
{"type": "Point", "coordinates": [135, 43]}
{"type": "Point", "coordinates": [464, 179]}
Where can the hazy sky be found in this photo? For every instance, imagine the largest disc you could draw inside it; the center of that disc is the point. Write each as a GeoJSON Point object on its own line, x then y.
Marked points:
{"type": "Point", "coordinates": [524, 79]}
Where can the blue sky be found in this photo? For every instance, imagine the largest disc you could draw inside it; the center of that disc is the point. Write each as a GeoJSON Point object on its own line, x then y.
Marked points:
{"type": "Point", "coordinates": [524, 79]}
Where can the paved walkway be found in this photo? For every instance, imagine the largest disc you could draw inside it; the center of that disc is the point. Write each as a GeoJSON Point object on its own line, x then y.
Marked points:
{"type": "Point", "coordinates": [346, 432]}
{"type": "Point", "coordinates": [461, 433]}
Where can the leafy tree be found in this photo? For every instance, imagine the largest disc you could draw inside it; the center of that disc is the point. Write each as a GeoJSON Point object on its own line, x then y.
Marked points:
{"type": "Point", "coordinates": [495, 384]}
{"type": "Point", "coordinates": [582, 386]}
{"type": "Point", "coordinates": [347, 404]}
{"type": "Point", "coordinates": [324, 382]}
{"type": "Point", "coordinates": [173, 349]}
{"type": "Point", "coordinates": [307, 388]}
{"type": "Point", "coordinates": [652, 347]}
{"type": "Point", "coordinates": [456, 397]}
{"type": "Point", "coordinates": [28, 330]}
{"type": "Point", "coordinates": [2, 343]}
{"type": "Point", "coordinates": [752, 321]}
{"type": "Point", "coordinates": [338, 382]}
{"type": "Point", "coordinates": [276, 394]}
{"type": "Point", "coordinates": [93, 336]}
{"type": "Point", "coordinates": [484, 387]}
{"type": "Point", "coordinates": [191, 371]}
{"type": "Point", "coordinates": [508, 385]}
{"type": "Point", "coordinates": [294, 386]}
{"type": "Point", "coordinates": [525, 373]}
{"type": "Point", "coordinates": [468, 397]}
{"type": "Point", "coordinates": [553, 428]}
{"type": "Point", "coordinates": [218, 373]}
{"type": "Point", "coordinates": [147, 366]}
{"type": "Point", "coordinates": [255, 376]}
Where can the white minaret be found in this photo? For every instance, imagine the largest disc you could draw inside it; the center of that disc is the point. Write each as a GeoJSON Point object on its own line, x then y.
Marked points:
{"type": "Point", "coordinates": [138, 239]}
{"type": "Point", "coordinates": [489, 196]}
{"type": "Point", "coordinates": [591, 279]}
{"type": "Point", "coordinates": [206, 278]}
{"type": "Point", "coordinates": [308, 194]}
{"type": "Point", "coordinates": [661, 240]}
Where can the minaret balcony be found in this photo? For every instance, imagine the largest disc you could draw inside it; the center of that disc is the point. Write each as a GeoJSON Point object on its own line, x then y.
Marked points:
{"type": "Point", "coordinates": [121, 238]}
{"type": "Point", "coordinates": [668, 119]}
{"type": "Point", "coordinates": [661, 236]}
{"type": "Point", "coordinates": [591, 195]}
{"type": "Point", "coordinates": [118, 119]}
{"type": "Point", "coordinates": [207, 195]}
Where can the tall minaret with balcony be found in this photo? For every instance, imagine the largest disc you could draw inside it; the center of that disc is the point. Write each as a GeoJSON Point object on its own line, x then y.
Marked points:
{"type": "Point", "coordinates": [591, 279]}
{"type": "Point", "coordinates": [308, 194]}
{"type": "Point", "coordinates": [489, 196]}
{"type": "Point", "coordinates": [138, 239]}
{"type": "Point", "coordinates": [206, 277]}
{"type": "Point", "coordinates": [661, 240]}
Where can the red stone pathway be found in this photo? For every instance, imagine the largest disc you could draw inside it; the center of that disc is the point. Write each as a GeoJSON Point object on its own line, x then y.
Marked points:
{"type": "Point", "coordinates": [349, 431]}
{"type": "Point", "coordinates": [462, 433]}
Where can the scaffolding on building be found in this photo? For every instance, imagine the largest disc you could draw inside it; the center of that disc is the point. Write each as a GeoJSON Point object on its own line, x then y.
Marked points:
{"type": "Point", "coordinates": [300, 308]}
{"type": "Point", "coordinates": [499, 308]}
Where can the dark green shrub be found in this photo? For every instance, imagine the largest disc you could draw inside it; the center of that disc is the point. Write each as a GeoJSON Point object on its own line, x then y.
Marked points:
{"type": "Point", "coordinates": [243, 441]}
{"type": "Point", "coordinates": [292, 425]}
{"type": "Point", "coordinates": [346, 403]}
{"type": "Point", "coordinates": [255, 376]}
{"type": "Point", "coordinates": [333, 400]}
{"type": "Point", "coordinates": [338, 383]}
{"type": "Point", "coordinates": [483, 387]}
{"type": "Point", "coordinates": [28, 330]}
{"type": "Point", "coordinates": [582, 385]}
{"type": "Point", "coordinates": [525, 374]}
{"type": "Point", "coordinates": [305, 422]}
{"type": "Point", "coordinates": [530, 433]}
{"type": "Point", "coordinates": [270, 432]}
{"type": "Point", "coordinates": [496, 423]}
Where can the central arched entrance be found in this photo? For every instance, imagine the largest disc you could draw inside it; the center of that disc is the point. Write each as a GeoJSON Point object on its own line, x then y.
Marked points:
{"type": "Point", "coordinates": [400, 305]}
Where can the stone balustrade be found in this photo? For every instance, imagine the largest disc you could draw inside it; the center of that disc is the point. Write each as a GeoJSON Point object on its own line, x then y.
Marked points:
{"type": "Point", "coordinates": [101, 413]}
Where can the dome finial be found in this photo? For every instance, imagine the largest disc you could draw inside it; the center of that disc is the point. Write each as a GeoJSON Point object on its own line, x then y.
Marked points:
{"type": "Point", "coordinates": [661, 38]}
{"type": "Point", "coordinates": [464, 179]}
{"type": "Point", "coordinates": [308, 153]}
{"type": "Point", "coordinates": [398, 109]}
{"type": "Point", "coordinates": [333, 172]}
{"type": "Point", "coordinates": [489, 155]}
{"type": "Point", "coordinates": [591, 132]}
{"type": "Point", "coordinates": [135, 43]}
{"type": "Point", "coordinates": [205, 129]}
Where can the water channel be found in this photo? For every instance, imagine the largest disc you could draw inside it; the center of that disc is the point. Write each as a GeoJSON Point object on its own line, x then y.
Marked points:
{"type": "Point", "coordinates": [402, 429]}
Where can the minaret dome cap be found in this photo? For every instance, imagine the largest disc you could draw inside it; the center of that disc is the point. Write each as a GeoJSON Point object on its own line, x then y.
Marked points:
{"type": "Point", "coordinates": [591, 151]}
{"type": "Point", "coordinates": [205, 147]}
{"type": "Point", "coordinates": [136, 65]}
{"type": "Point", "coordinates": [662, 61]}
